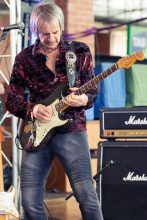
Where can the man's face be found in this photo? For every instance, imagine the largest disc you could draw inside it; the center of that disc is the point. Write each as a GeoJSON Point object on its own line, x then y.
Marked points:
{"type": "Point", "coordinates": [49, 35]}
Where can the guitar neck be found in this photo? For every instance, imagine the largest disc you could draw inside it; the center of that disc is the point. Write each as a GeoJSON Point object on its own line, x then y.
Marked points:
{"type": "Point", "coordinates": [97, 79]}
{"type": "Point", "coordinates": [61, 106]}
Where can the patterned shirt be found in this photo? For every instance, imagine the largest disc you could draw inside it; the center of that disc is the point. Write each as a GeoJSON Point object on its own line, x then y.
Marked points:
{"type": "Point", "coordinates": [30, 71]}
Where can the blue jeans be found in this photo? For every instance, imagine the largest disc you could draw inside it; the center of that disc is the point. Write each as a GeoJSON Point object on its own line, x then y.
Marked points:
{"type": "Point", "coordinates": [73, 152]}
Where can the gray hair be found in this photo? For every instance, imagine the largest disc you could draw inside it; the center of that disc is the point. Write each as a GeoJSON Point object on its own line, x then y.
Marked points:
{"type": "Point", "coordinates": [45, 12]}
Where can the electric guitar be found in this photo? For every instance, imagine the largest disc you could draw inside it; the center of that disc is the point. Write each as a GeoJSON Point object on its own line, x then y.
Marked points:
{"type": "Point", "coordinates": [33, 135]}
{"type": "Point", "coordinates": [7, 207]}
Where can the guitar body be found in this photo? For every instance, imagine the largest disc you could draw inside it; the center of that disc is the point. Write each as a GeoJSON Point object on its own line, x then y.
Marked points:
{"type": "Point", "coordinates": [33, 135]}
{"type": "Point", "coordinates": [7, 208]}
{"type": "Point", "coordinates": [8, 217]}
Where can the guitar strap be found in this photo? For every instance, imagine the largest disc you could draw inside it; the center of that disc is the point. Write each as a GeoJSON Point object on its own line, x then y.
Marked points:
{"type": "Point", "coordinates": [70, 64]}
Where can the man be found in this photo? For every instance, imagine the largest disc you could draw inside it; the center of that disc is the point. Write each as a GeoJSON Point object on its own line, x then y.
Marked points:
{"type": "Point", "coordinates": [42, 68]}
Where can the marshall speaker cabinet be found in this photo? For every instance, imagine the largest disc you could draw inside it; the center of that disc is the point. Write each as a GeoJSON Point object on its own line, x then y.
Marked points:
{"type": "Point", "coordinates": [123, 122]}
{"type": "Point", "coordinates": [122, 179]}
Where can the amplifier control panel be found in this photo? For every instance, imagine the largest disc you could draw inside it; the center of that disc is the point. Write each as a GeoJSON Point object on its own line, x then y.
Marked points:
{"type": "Point", "coordinates": [125, 133]}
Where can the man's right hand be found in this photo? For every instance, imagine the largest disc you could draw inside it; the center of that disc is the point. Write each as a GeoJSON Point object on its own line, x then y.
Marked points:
{"type": "Point", "coordinates": [42, 113]}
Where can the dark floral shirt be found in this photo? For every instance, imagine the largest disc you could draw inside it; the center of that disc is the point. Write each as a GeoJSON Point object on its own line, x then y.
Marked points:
{"type": "Point", "coordinates": [30, 73]}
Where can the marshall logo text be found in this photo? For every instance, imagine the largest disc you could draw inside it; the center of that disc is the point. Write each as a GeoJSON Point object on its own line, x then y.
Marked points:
{"type": "Point", "coordinates": [132, 177]}
{"type": "Point", "coordinates": [136, 121]}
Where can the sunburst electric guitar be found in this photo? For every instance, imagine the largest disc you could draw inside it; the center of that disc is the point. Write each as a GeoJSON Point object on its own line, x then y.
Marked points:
{"type": "Point", "coordinates": [34, 134]}
{"type": "Point", "coordinates": [7, 208]}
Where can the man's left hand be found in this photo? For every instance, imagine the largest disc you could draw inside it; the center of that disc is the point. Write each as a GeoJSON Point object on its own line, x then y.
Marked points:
{"type": "Point", "coordinates": [76, 100]}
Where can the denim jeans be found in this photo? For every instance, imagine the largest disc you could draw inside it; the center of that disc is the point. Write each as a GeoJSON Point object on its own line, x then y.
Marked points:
{"type": "Point", "coordinates": [73, 152]}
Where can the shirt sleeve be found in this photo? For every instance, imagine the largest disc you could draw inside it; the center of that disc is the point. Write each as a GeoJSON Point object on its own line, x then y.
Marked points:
{"type": "Point", "coordinates": [15, 102]}
{"type": "Point", "coordinates": [87, 75]}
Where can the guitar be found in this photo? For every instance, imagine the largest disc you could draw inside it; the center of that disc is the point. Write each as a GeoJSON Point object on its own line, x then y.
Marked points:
{"type": "Point", "coordinates": [7, 207]}
{"type": "Point", "coordinates": [33, 135]}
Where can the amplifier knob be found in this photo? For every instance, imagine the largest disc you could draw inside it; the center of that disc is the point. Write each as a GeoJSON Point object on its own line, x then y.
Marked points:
{"type": "Point", "coordinates": [108, 132]}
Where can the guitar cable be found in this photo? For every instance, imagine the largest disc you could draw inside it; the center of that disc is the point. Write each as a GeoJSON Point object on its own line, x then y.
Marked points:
{"type": "Point", "coordinates": [17, 143]}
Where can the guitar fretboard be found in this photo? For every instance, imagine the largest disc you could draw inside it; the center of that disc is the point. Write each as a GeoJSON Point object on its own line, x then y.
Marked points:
{"type": "Point", "coordinates": [60, 106]}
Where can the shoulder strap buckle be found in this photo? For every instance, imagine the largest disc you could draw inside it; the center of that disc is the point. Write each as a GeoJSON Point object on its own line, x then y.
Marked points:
{"type": "Point", "coordinates": [70, 65]}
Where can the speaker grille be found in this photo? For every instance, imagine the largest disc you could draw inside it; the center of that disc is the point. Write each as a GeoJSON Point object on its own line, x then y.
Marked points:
{"type": "Point", "coordinates": [122, 187]}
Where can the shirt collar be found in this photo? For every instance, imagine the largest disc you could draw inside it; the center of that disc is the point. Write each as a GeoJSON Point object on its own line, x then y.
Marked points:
{"type": "Point", "coordinates": [63, 46]}
{"type": "Point", "coordinates": [36, 46]}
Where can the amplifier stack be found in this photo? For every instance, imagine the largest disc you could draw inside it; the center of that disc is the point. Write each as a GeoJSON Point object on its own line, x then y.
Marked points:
{"type": "Point", "coordinates": [122, 163]}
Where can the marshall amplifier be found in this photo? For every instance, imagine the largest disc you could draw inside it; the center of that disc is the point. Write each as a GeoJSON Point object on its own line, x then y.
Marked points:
{"type": "Point", "coordinates": [123, 122]}
{"type": "Point", "coordinates": [122, 182]}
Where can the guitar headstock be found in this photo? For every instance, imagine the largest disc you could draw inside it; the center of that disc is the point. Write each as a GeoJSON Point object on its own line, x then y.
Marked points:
{"type": "Point", "coordinates": [128, 61]}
